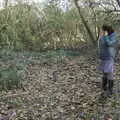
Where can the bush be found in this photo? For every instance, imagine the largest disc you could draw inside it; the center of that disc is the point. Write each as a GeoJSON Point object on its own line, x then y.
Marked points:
{"type": "Point", "coordinates": [12, 72]}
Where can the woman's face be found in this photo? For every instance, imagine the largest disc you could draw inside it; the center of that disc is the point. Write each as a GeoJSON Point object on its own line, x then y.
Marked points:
{"type": "Point", "coordinates": [102, 32]}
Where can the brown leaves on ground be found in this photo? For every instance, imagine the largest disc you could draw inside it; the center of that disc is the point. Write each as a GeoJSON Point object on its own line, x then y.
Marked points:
{"type": "Point", "coordinates": [58, 92]}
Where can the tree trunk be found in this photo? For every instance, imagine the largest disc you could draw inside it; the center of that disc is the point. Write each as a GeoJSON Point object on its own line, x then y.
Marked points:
{"type": "Point", "coordinates": [118, 2]}
{"type": "Point", "coordinates": [85, 23]}
{"type": "Point", "coordinates": [6, 3]}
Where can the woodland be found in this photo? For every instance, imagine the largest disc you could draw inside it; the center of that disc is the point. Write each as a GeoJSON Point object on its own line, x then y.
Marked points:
{"type": "Point", "coordinates": [49, 59]}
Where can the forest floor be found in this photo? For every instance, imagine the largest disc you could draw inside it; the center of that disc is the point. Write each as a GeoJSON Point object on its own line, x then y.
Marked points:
{"type": "Point", "coordinates": [60, 89]}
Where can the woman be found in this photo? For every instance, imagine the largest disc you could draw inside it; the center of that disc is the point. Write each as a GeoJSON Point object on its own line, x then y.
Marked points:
{"type": "Point", "coordinates": [107, 50]}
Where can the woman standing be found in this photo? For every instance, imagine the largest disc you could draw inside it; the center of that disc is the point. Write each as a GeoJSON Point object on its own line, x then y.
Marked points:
{"type": "Point", "coordinates": [107, 50]}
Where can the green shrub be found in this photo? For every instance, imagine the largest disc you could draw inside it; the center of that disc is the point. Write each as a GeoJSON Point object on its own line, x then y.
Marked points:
{"type": "Point", "coordinates": [12, 71]}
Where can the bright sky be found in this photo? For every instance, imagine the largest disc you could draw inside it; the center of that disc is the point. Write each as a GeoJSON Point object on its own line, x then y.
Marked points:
{"type": "Point", "coordinates": [13, 1]}
{"type": "Point", "coordinates": [63, 3]}
{"type": "Point", "coordinates": [39, 0]}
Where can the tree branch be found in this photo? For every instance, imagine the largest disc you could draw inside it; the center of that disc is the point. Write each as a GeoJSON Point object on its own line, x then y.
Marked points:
{"type": "Point", "coordinates": [118, 2]}
{"type": "Point", "coordinates": [109, 11]}
{"type": "Point", "coordinates": [84, 22]}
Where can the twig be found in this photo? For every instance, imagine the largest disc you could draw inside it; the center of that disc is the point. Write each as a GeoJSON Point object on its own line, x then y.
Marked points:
{"type": "Point", "coordinates": [14, 95]}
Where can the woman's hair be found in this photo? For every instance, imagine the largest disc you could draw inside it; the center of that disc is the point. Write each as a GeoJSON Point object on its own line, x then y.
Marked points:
{"type": "Point", "coordinates": [108, 28]}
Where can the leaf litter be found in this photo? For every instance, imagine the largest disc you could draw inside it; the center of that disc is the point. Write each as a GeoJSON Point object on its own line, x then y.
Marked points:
{"type": "Point", "coordinates": [66, 89]}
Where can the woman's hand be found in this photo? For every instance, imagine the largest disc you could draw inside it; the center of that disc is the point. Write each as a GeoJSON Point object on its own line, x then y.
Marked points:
{"type": "Point", "coordinates": [102, 33]}
{"type": "Point", "coordinates": [106, 33]}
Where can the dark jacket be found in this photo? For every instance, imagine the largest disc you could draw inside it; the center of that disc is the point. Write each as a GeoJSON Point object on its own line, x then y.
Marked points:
{"type": "Point", "coordinates": [108, 47]}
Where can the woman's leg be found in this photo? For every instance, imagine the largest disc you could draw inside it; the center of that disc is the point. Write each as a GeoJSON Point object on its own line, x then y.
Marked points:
{"type": "Point", "coordinates": [107, 83]}
{"type": "Point", "coordinates": [104, 81]}
{"type": "Point", "coordinates": [110, 82]}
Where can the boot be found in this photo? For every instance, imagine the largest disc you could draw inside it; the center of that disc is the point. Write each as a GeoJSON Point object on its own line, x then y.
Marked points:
{"type": "Point", "coordinates": [110, 86]}
{"type": "Point", "coordinates": [104, 83]}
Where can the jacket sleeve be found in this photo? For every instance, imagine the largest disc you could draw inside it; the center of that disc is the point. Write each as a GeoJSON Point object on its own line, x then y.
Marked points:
{"type": "Point", "coordinates": [110, 41]}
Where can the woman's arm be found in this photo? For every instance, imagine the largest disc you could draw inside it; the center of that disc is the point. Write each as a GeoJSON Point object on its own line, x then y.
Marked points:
{"type": "Point", "coordinates": [110, 40]}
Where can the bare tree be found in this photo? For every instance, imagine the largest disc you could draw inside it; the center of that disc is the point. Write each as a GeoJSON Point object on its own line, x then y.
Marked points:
{"type": "Point", "coordinates": [118, 2]}
{"type": "Point", "coordinates": [5, 3]}
{"type": "Point", "coordinates": [85, 23]}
